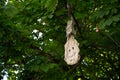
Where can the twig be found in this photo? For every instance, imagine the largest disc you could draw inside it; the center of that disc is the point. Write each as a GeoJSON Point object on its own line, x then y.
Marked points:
{"type": "Point", "coordinates": [45, 54]}
{"type": "Point", "coordinates": [115, 42]}
{"type": "Point", "coordinates": [70, 11]}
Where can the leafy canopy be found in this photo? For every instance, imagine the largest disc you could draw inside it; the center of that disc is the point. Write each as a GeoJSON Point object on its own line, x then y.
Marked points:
{"type": "Point", "coordinates": [32, 38]}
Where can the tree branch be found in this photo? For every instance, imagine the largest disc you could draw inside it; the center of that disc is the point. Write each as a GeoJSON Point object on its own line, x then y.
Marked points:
{"type": "Point", "coordinates": [45, 54]}
{"type": "Point", "coordinates": [109, 37]}
{"type": "Point", "coordinates": [118, 45]}
{"type": "Point", "coordinates": [70, 11]}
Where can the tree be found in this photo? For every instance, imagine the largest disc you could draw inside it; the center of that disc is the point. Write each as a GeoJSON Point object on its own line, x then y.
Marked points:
{"type": "Point", "coordinates": [32, 38]}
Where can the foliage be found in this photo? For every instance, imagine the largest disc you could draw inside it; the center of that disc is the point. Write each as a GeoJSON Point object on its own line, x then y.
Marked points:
{"type": "Point", "coordinates": [32, 38]}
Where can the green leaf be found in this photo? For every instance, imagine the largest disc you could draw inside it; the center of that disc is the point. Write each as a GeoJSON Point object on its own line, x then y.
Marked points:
{"type": "Point", "coordinates": [116, 18]}
{"type": "Point", "coordinates": [46, 67]}
{"type": "Point", "coordinates": [108, 22]}
{"type": "Point", "coordinates": [10, 11]}
{"type": "Point", "coordinates": [101, 24]}
{"type": "Point", "coordinates": [49, 4]}
{"type": "Point", "coordinates": [114, 10]}
{"type": "Point", "coordinates": [80, 15]}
